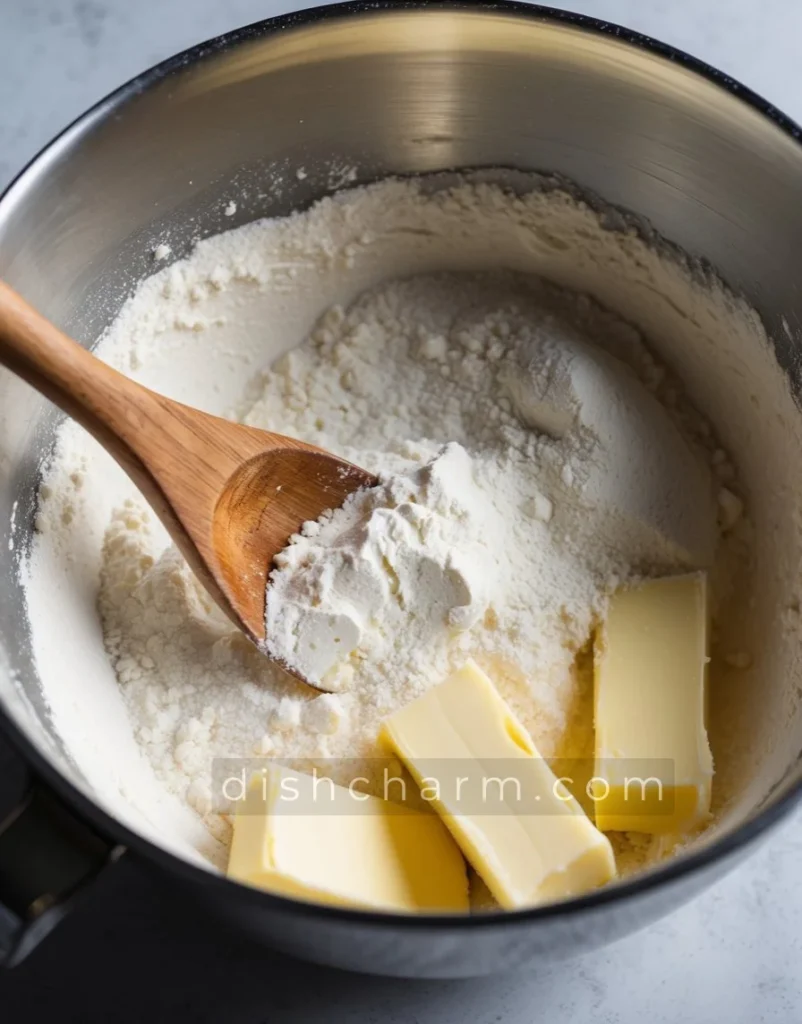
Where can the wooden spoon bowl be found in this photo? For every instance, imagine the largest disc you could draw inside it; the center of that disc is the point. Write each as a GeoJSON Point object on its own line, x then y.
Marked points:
{"type": "Point", "coordinates": [230, 496]}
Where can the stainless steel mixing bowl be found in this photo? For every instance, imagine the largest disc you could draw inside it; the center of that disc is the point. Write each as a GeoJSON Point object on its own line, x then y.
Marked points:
{"type": "Point", "coordinates": [390, 88]}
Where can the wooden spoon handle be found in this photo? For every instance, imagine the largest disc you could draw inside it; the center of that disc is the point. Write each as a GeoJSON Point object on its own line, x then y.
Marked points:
{"type": "Point", "coordinates": [178, 457]}
{"type": "Point", "coordinates": [228, 494]}
{"type": "Point", "coordinates": [107, 404]}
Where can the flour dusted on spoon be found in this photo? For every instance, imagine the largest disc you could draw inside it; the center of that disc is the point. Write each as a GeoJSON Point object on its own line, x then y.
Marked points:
{"type": "Point", "coordinates": [387, 576]}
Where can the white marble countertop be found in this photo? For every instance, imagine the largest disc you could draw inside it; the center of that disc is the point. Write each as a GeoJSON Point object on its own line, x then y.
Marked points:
{"type": "Point", "coordinates": [733, 955]}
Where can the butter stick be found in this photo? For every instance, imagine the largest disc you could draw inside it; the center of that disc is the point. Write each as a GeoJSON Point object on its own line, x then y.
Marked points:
{"type": "Point", "coordinates": [519, 827]}
{"type": "Point", "coordinates": [654, 768]}
{"type": "Point", "coordinates": [312, 840]}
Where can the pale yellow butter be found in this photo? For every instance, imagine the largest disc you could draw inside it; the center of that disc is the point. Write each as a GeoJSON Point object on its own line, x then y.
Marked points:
{"type": "Point", "coordinates": [530, 842]}
{"type": "Point", "coordinates": [654, 768]}
{"type": "Point", "coordinates": [334, 845]}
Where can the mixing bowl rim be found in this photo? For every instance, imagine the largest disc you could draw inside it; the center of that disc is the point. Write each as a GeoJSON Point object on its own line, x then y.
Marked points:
{"type": "Point", "coordinates": [103, 821]}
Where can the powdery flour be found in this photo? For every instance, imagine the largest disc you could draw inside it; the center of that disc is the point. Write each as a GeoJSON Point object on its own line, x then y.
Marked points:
{"type": "Point", "coordinates": [529, 447]}
{"type": "Point", "coordinates": [573, 477]}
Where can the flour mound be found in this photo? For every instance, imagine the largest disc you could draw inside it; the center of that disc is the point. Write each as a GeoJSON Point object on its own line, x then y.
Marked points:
{"type": "Point", "coordinates": [405, 327]}
{"type": "Point", "coordinates": [387, 576]}
{"type": "Point", "coordinates": [563, 477]}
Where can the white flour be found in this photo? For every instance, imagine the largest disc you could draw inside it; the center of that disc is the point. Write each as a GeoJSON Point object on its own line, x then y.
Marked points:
{"type": "Point", "coordinates": [575, 476]}
{"type": "Point", "coordinates": [413, 365]}
{"type": "Point", "coordinates": [386, 579]}
{"type": "Point", "coordinates": [573, 456]}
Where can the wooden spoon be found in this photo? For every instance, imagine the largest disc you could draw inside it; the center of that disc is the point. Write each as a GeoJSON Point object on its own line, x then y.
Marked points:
{"type": "Point", "coordinates": [230, 496]}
